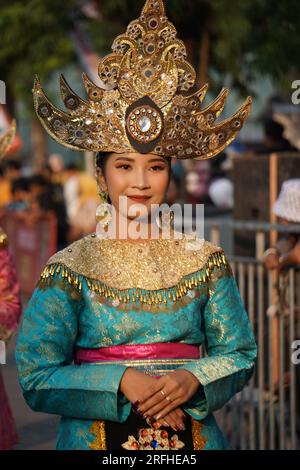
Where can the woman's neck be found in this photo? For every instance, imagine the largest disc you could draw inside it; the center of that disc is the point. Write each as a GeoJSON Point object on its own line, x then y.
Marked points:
{"type": "Point", "coordinates": [137, 232]}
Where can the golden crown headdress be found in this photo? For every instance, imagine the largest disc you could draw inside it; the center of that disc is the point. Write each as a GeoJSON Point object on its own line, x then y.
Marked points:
{"type": "Point", "coordinates": [144, 105]}
{"type": "Point", "coordinates": [7, 139]}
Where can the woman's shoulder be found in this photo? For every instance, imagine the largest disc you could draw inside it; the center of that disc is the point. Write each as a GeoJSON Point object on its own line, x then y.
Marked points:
{"type": "Point", "coordinates": [197, 245]}
{"type": "Point", "coordinates": [75, 260]}
{"type": "Point", "coordinates": [77, 251]}
{"type": "Point", "coordinates": [199, 253]}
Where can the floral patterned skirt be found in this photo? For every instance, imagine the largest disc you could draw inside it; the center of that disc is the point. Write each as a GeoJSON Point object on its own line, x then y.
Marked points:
{"type": "Point", "coordinates": [8, 432]}
{"type": "Point", "coordinates": [140, 434]}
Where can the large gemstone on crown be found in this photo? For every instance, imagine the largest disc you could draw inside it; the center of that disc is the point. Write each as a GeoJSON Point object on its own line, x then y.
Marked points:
{"type": "Point", "coordinates": [144, 124]}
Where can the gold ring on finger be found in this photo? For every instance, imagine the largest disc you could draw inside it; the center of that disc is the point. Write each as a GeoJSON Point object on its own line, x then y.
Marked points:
{"type": "Point", "coordinates": [168, 398]}
{"type": "Point", "coordinates": [162, 392]}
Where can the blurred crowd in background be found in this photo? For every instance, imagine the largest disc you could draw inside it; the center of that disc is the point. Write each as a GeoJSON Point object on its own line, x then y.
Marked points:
{"type": "Point", "coordinates": [65, 192]}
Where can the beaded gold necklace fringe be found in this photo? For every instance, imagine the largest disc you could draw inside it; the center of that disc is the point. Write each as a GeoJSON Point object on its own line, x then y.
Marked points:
{"type": "Point", "coordinates": [150, 297]}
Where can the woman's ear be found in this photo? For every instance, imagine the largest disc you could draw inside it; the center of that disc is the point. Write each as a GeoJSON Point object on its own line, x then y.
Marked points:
{"type": "Point", "coordinates": [101, 180]}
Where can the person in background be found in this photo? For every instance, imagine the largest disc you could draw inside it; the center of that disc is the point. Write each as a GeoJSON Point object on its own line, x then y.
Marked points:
{"type": "Point", "coordinates": [71, 192]}
{"type": "Point", "coordinates": [173, 195]}
{"type": "Point", "coordinates": [221, 187]}
{"type": "Point", "coordinates": [286, 254]}
{"type": "Point", "coordinates": [56, 164]}
{"type": "Point", "coordinates": [87, 204]}
{"type": "Point", "coordinates": [5, 190]}
{"type": "Point", "coordinates": [81, 198]}
{"type": "Point", "coordinates": [9, 173]}
{"type": "Point", "coordinates": [12, 170]}
{"type": "Point", "coordinates": [20, 196]}
{"type": "Point", "coordinates": [178, 169]}
{"type": "Point", "coordinates": [48, 197]}
{"type": "Point", "coordinates": [274, 140]}
{"type": "Point", "coordinates": [197, 182]}
{"type": "Point", "coordinates": [221, 193]}
{"type": "Point", "coordinates": [10, 312]}
{"type": "Point", "coordinates": [287, 208]}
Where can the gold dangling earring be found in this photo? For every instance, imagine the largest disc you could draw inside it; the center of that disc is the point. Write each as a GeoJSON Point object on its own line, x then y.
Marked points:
{"type": "Point", "coordinates": [165, 220]}
{"type": "Point", "coordinates": [103, 212]}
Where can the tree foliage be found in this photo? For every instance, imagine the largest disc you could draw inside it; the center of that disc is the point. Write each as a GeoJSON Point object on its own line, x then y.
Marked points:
{"type": "Point", "coordinates": [246, 37]}
{"type": "Point", "coordinates": [34, 39]}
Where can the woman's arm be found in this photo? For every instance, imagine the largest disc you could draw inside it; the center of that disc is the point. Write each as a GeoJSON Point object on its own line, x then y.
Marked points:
{"type": "Point", "coordinates": [205, 385]}
{"type": "Point", "coordinates": [230, 346]}
{"type": "Point", "coordinates": [51, 383]}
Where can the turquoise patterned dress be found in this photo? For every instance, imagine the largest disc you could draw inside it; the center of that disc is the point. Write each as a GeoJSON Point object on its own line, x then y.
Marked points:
{"type": "Point", "coordinates": [104, 293]}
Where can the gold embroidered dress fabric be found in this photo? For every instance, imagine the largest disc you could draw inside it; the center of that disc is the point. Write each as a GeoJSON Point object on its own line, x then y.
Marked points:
{"type": "Point", "coordinates": [100, 293]}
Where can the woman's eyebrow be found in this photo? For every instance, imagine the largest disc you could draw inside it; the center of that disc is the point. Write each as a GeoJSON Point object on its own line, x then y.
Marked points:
{"type": "Point", "coordinates": [132, 160]}
{"type": "Point", "coordinates": [125, 158]}
{"type": "Point", "coordinates": [156, 160]}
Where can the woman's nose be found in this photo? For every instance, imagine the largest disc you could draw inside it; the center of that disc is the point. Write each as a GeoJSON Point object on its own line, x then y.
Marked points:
{"type": "Point", "coordinates": [141, 181]}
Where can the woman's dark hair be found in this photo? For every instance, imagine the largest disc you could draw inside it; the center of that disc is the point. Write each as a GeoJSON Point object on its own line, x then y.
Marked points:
{"type": "Point", "coordinates": [101, 160]}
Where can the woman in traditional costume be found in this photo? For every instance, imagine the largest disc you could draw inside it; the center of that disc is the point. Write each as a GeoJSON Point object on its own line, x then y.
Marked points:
{"type": "Point", "coordinates": [111, 337]}
{"type": "Point", "coordinates": [10, 311]}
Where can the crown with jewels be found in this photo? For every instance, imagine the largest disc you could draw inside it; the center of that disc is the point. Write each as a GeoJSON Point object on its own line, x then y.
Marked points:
{"type": "Point", "coordinates": [7, 139]}
{"type": "Point", "coordinates": [145, 105]}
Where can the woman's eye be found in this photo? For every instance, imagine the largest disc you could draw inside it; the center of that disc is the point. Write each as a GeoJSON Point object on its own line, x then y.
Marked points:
{"type": "Point", "coordinates": [157, 168]}
{"type": "Point", "coordinates": [125, 167]}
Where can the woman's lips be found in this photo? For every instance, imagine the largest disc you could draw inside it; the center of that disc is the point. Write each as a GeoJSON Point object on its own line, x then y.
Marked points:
{"type": "Point", "coordinates": [139, 198]}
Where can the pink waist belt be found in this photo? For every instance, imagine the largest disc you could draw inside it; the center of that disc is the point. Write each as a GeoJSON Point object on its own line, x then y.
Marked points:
{"type": "Point", "coordinates": [131, 352]}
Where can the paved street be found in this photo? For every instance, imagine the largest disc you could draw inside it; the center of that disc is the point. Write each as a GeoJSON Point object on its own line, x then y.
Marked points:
{"type": "Point", "coordinates": [37, 431]}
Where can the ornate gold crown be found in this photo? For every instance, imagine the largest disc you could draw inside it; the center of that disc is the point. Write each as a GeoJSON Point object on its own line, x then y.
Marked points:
{"type": "Point", "coordinates": [7, 139]}
{"type": "Point", "coordinates": [144, 106]}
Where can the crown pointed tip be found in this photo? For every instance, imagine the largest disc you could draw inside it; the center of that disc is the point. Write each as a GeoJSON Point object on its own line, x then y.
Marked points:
{"type": "Point", "coordinates": [203, 89]}
{"type": "Point", "coordinates": [36, 83]}
{"type": "Point", "coordinates": [62, 81]}
{"type": "Point", "coordinates": [224, 94]}
{"type": "Point", "coordinates": [154, 5]}
{"type": "Point", "coordinates": [248, 104]}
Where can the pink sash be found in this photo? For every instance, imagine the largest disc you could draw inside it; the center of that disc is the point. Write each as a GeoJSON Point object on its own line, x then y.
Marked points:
{"type": "Point", "coordinates": [130, 352]}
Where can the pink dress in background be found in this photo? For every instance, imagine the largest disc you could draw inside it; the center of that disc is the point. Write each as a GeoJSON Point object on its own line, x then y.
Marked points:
{"type": "Point", "coordinates": [10, 311]}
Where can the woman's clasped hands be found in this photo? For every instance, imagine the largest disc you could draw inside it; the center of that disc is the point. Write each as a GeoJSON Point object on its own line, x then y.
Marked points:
{"type": "Point", "coordinates": [160, 398]}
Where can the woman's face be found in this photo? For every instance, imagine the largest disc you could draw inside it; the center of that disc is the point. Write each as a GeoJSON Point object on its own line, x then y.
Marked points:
{"type": "Point", "coordinates": [142, 179]}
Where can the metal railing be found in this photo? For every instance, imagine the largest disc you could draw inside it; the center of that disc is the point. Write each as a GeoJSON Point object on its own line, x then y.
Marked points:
{"type": "Point", "coordinates": [266, 414]}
